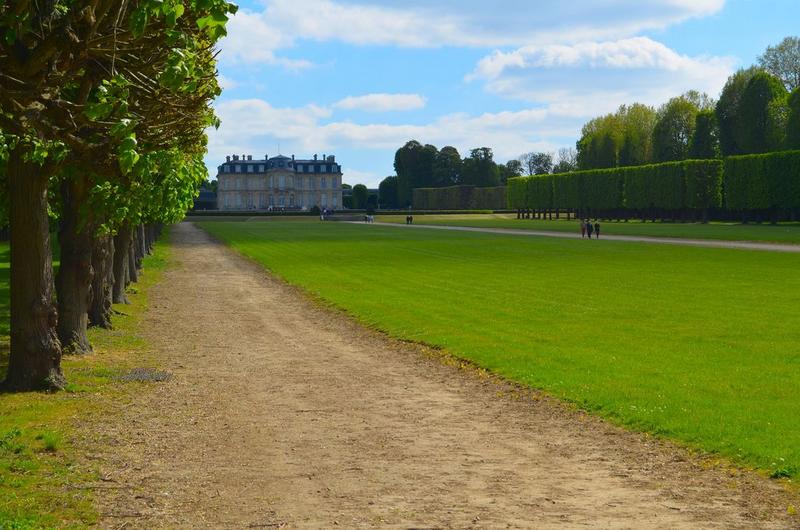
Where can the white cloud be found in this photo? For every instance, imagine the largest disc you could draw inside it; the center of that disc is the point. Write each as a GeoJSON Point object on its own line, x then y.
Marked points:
{"type": "Point", "coordinates": [600, 76]}
{"type": "Point", "coordinates": [382, 102]}
{"type": "Point", "coordinates": [254, 126]}
{"type": "Point", "coordinates": [257, 36]}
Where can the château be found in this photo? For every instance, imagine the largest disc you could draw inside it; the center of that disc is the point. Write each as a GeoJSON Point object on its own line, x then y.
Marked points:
{"type": "Point", "coordinates": [279, 183]}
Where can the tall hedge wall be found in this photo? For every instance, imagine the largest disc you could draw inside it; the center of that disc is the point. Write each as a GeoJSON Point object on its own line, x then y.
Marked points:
{"type": "Point", "coordinates": [460, 198]}
{"type": "Point", "coordinates": [671, 186]}
{"type": "Point", "coordinates": [759, 182]}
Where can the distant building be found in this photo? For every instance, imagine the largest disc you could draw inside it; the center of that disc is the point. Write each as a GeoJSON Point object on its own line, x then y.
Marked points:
{"type": "Point", "coordinates": [279, 182]}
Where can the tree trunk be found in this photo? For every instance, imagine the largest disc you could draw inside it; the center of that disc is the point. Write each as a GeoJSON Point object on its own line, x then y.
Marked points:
{"type": "Point", "coordinates": [102, 282]}
{"type": "Point", "coordinates": [122, 245]}
{"type": "Point", "coordinates": [35, 359]}
{"type": "Point", "coordinates": [133, 266]}
{"type": "Point", "coordinates": [142, 244]}
{"type": "Point", "coordinates": [74, 280]}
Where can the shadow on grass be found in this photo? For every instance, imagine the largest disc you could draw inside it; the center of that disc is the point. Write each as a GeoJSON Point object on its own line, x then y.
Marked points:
{"type": "Point", "coordinates": [4, 308]}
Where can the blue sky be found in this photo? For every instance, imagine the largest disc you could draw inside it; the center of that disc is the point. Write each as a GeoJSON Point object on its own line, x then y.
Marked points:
{"type": "Point", "coordinates": [358, 79]}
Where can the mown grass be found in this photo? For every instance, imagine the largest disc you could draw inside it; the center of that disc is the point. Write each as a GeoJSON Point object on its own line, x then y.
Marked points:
{"type": "Point", "coordinates": [46, 481]}
{"type": "Point", "coordinates": [780, 233]}
{"type": "Point", "coordinates": [696, 344]}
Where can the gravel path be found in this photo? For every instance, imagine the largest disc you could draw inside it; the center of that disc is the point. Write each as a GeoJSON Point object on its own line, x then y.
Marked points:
{"type": "Point", "coordinates": [713, 243]}
{"type": "Point", "coordinates": [281, 413]}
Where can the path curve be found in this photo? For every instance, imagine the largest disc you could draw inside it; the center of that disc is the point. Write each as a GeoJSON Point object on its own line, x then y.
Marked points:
{"type": "Point", "coordinates": [712, 243]}
{"type": "Point", "coordinates": [282, 413]}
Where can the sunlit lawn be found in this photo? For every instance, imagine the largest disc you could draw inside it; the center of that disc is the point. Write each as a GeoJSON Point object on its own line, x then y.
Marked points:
{"type": "Point", "coordinates": [697, 344]}
{"type": "Point", "coordinates": [783, 232]}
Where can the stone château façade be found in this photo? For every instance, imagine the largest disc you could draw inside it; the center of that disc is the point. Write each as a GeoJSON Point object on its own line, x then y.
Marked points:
{"type": "Point", "coordinates": [279, 183]}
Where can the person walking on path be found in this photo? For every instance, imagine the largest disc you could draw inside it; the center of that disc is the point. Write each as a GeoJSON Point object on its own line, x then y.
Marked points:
{"type": "Point", "coordinates": [597, 229]}
{"type": "Point", "coordinates": [589, 228]}
{"type": "Point", "coordinates": [583, 229]}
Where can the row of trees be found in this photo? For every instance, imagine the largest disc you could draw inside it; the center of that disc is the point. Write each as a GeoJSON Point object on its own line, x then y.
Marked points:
{"type": "Point", "coordinates": [103, 108]}
{"type": "Point", "coordinates": [425, 166]}
{"type": "Point", "coordinates": [758, 111]}
{"type": "Point", "coordinates": [764, 186]}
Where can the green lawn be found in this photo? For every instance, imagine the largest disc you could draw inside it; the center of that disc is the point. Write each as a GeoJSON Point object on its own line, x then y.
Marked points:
{"type": "Point", "coordinates": [46, 478]}
{"type": "Point", "coordinates": [696, 344]}
{"type": "Point", "coordinates": [4, 292]}
{"type": "Point", "coordinates": [781, 233]}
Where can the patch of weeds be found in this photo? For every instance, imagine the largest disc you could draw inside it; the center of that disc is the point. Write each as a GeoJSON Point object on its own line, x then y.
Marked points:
{"type": "Point", "coordinates": [51, 440]}
{"type": "Point", "coordinates": [783, 472]}
{"type": "Point", "coordinates": [10, 441]}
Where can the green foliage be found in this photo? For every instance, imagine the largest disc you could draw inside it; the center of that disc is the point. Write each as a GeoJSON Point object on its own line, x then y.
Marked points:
{"type": "Point", "coordinates": [671, 186]}
{"type": "Point", "coordinates": [760, 128]}
{"type": "Point", "coordinates": [460, 198]}
{"type": "Point", "coordinates": [447, 167]}
{"type": "Point", "coordinates": [600, 142]}
{"type": "Point", "coordinates": [387, 192]}
{"type": "Point", "coordinates": [728, 112]}
{"type": "Point", "coordinates": [413, 164]}
{"type": "Point", "coordinates": [479, 169]}
{"type": "Point", "coordinates": [694, 344]}
{"type": "Point", "coordinates": [793, 121]}
{"type": "Point", "coordinates": [360, 196]}
{"type": "Point", "coordinates": [705, 138]}
{"type": "Point", "coordinates": [674, 129]}
{"type": "Point", "coordinates": [757, 182]}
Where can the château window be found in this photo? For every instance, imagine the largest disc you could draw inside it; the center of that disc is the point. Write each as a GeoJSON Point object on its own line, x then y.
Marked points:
{"type": "Point", "coordinates": [324, 182]}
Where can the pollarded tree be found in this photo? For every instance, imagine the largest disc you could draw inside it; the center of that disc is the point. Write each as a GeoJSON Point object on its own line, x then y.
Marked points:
{"type": "Point", "coordinates": [762, 114]}
{"type": "Point", "coordinates": [173, 81]}
{"type": "Point", "coordinates": [52, 63]}
{"type": "Point", "coordinates": [705, 140]}
{"type": "Point", "coordinates": [674, 129]}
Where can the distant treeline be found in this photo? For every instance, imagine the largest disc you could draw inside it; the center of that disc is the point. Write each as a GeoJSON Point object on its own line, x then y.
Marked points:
{"type": "Point", "coordinates": [757, 112]}
{"type": "Point", "coordinates": [750, 187]}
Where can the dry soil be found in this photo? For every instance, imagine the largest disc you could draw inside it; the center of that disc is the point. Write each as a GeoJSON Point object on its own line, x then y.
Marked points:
{"type": "Point", "coordinates": [283, 413]}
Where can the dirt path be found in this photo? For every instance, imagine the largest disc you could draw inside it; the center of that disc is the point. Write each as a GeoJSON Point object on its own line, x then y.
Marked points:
{"type": "Point", "coordinates": [713, 243]}
{"type": "Point", "coordinates": [284, 414]}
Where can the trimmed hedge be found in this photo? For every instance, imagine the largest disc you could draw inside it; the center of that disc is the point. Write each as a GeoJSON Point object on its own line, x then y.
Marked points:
{"type": "Point", "coordinates": [760, 182]}
{"type": "Point", "coordinates": [695, 184]}
{"type": "Point", "coordinates": [459, 198]}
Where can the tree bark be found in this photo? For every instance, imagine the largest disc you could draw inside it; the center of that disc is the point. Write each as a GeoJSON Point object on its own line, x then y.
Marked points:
{"type": "Point", "coordinates": [133, 265]}
{"type": "Point", "coordinates": [35, 358]}
{"type": "Point", "coordinates": [102, 282]}
{"type": "Point", "coordinates": [74, 280]}
{"type": "Point", "coordinates": [122, 245]}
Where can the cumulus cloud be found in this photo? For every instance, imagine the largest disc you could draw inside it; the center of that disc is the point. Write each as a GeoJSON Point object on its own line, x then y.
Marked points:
{"type": "Point", "coordinates": [599, 76]}
{"type": "Point", "coordinates": [256, 36]}
{"type": "Point", "coordinates": [382, 102]}
{"type": "Point", "coordinates": [253, 126]}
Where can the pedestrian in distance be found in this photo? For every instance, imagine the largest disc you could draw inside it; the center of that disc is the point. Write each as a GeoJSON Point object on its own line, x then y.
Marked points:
{"type": "Point", "coordinates": [597, 229]}
{"type": "Point", "coordinates": [589, 228]}
{"type": "Point", "coordinates": [583, 229]}
{"type": "Point", "coordinates": [411, 219]}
